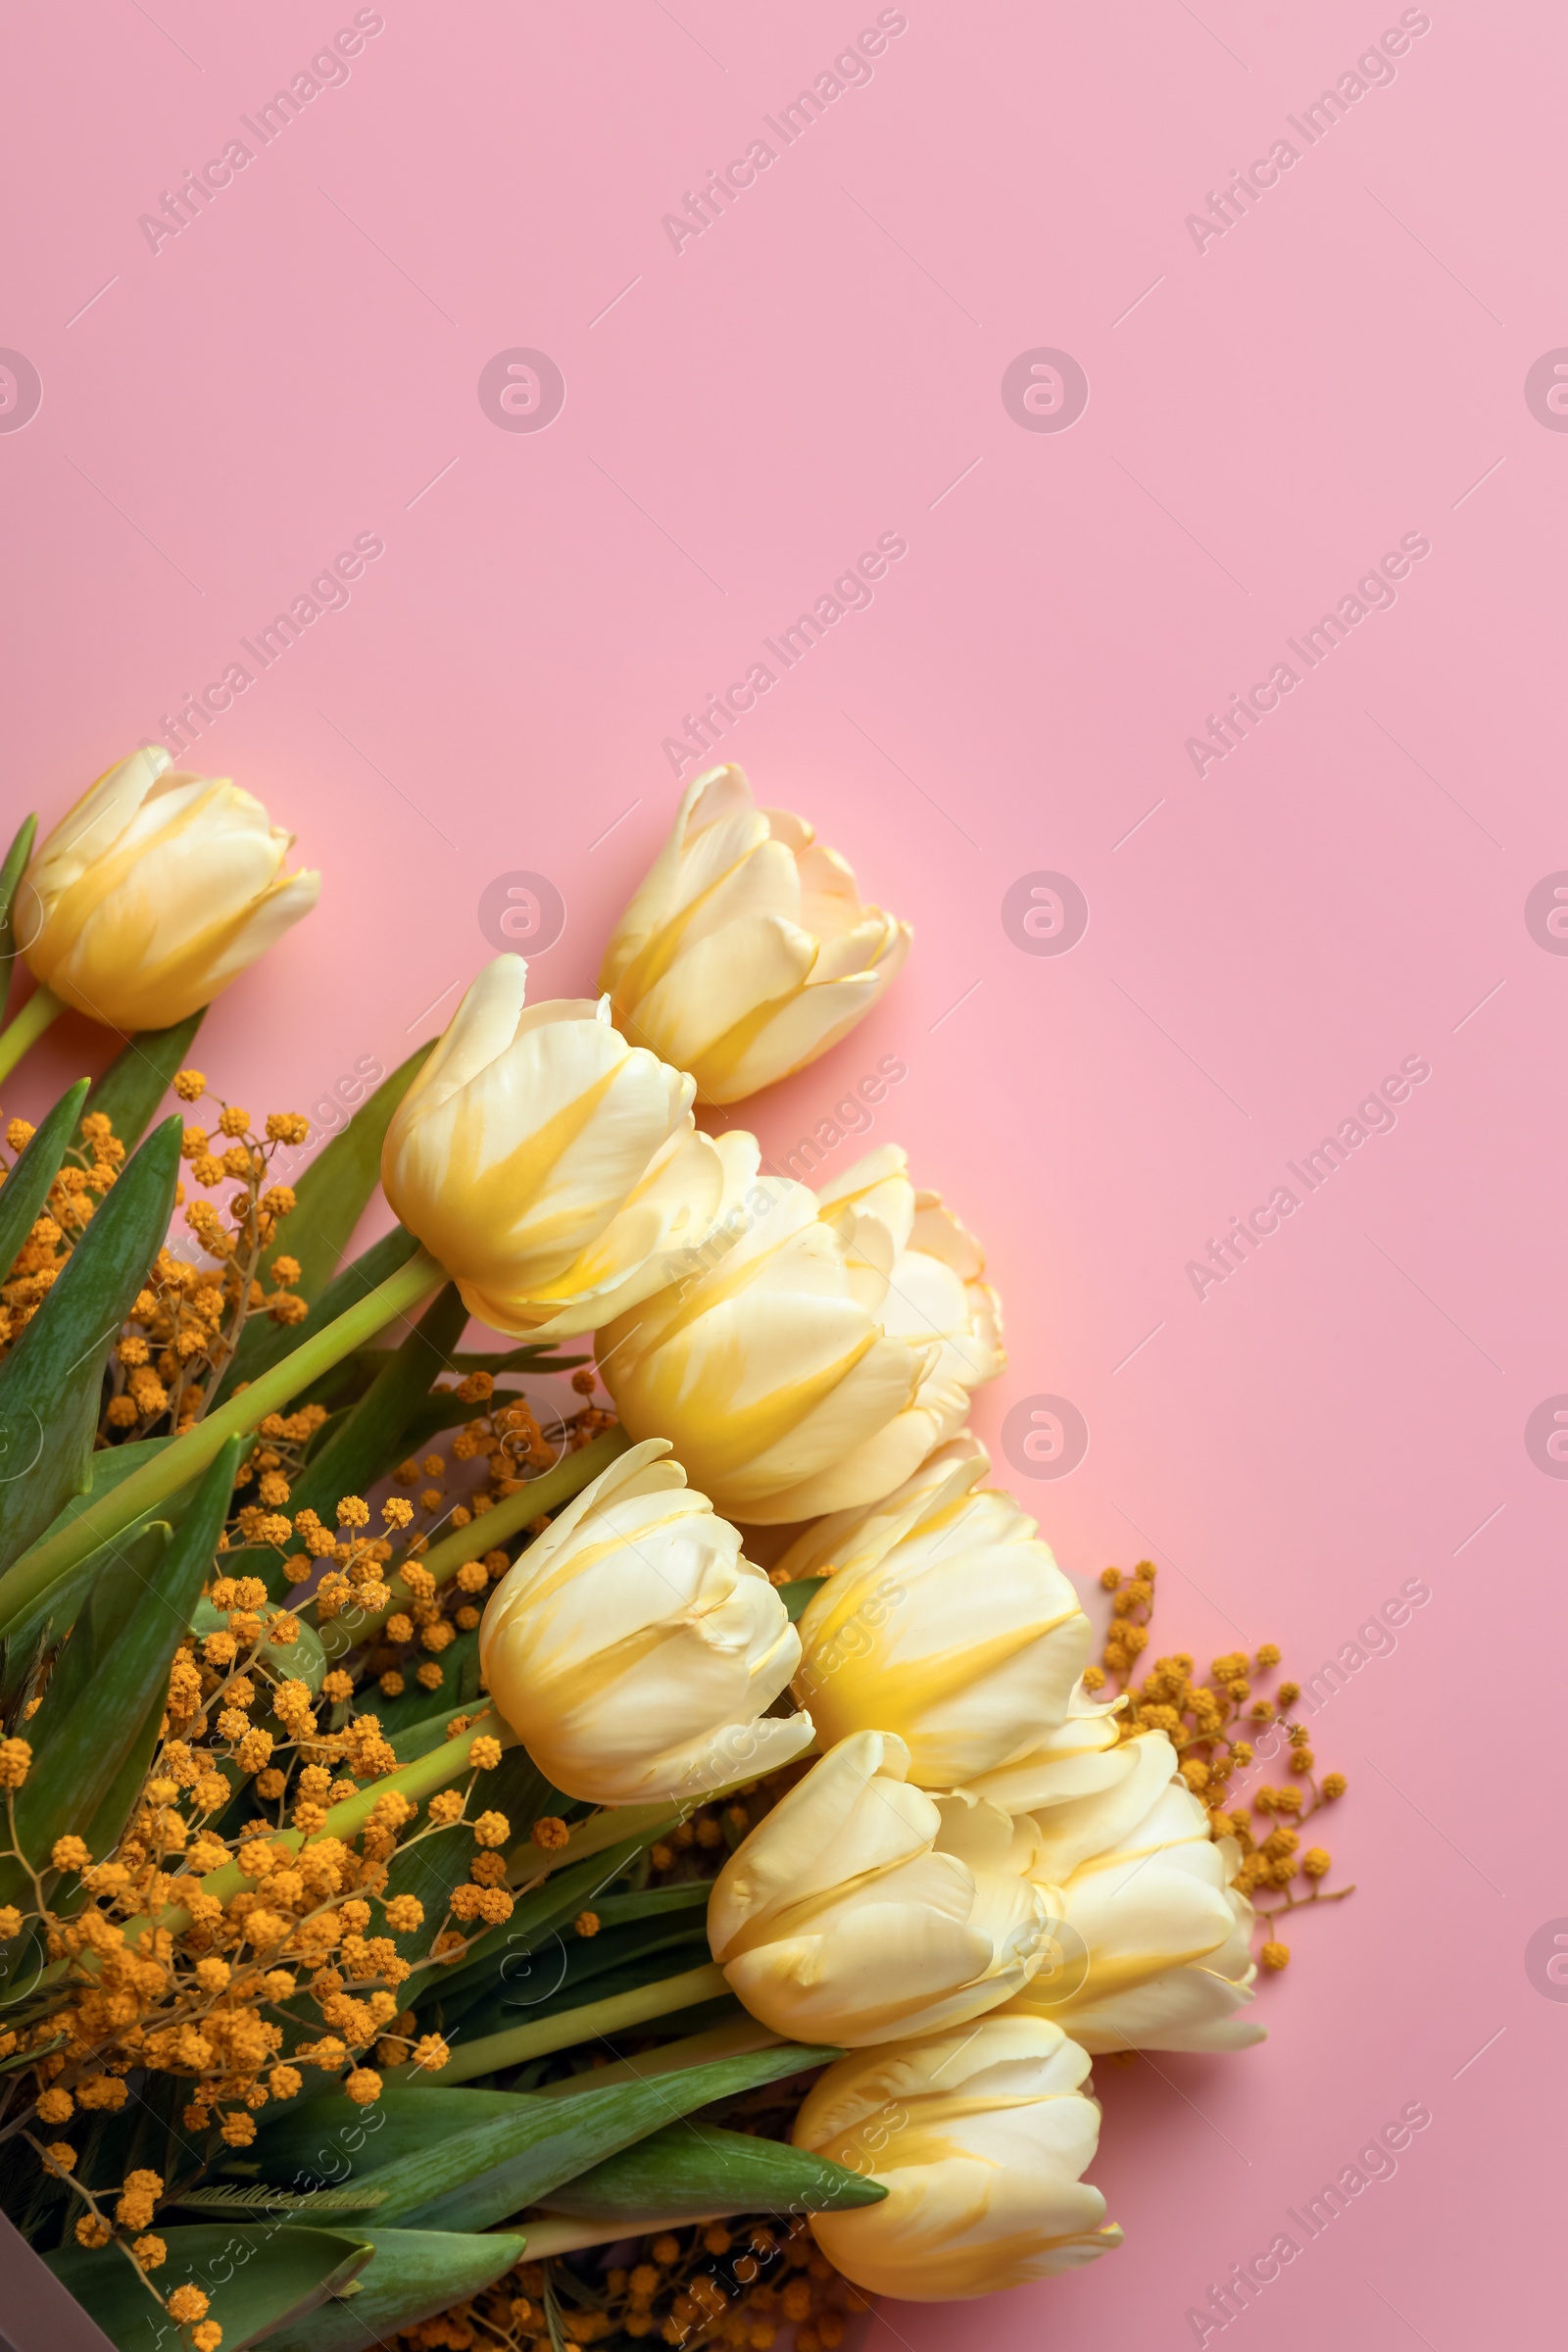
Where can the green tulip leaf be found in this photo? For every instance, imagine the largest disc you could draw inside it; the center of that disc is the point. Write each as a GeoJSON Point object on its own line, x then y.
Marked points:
{"type": "Point", "coordinates": [799, 1596]}
{"type": "Point", "coordinates": [467, 2159]}
{"type": "Point", "coordinates": [370, 1439]}
{"type": "Point", "coordinates": [11, 873]}
{"type": "Point", "coordinates": [93, 1736]}
{"type": "Point", "coordinates": [257, 2281]}
{"type": "Point", "coordinates": [329, 1201]}
{"type": "Point", "coordinates": [697, 2170]}
{"type": "Point", "coordinates": [51, 1382]}
{"type": "Point", "coordinates": [139, 1076]}
{"type": "Point", "coordinates": [263, 1343]}
{"type": "Point", "coordinates": [412, 2274]}
{"type": "Point", "coordinates": [27, 1188]}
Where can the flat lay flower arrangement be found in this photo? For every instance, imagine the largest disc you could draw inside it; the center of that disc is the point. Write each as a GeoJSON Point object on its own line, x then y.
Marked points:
{"type": "Point", "coordinates": [448, 1889]}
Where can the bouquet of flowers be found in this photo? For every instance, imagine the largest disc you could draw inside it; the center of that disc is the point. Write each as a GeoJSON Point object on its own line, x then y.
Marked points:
{"type": "Point", "coordinates": [453, 1885]}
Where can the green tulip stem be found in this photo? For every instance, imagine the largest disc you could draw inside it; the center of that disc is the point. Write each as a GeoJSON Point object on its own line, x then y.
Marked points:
{"type": "Point", "coordinates": [56, 1556]}
{"type": "Point", "coordinates": [560, 2234]}
{"type": "Point", "coordinates": [615, 2014]}
{"type": "Point", "coordinates": [539, 1496]}
{"type": "Point", "coordinates": [734, 2039]}
{"type": "Point", "coordinates": [41, 1007]}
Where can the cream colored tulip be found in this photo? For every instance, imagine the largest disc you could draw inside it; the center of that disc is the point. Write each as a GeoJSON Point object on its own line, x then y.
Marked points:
{"type": "Point", "coordinates": [945, 1620]}
{"type": "Point", "coordinates": [981, 2135]}
{"type": "Point", "coordinates": [860, 1909]}
{"type": "Point", "coordinates": [554, 1170]}
{"type": "Point", "coordinates": [154, 892]}
{"type": "Point", "coordinates": [745, 952]}
{"type": "Point", "coordinates": [633, 1650]}
{"type": "Point", "coordinates": [1150, 1942]}
{"type": "Point", "coordinates": [822, 1351]}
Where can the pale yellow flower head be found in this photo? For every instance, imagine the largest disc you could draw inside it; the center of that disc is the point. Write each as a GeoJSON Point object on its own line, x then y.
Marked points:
{"type": "Point", "coordinates": [745, 952]}
{"type": "Point", "coordinates": [1151, 1944]}
{"type": "Point", "coordinates": [633, 1650]}
{"type": "Point", "coordinates": [860, 1909]}
{"type": "Point", "coordinates": [554, 1169]}
{"type": "Point", "coordinates": [981, 2135]}
{"type": "Point", "coordinates": [822, 1349]}
{"type": "Point", "coordinates": [944, 1619]}
{"type": "Point", "coordinates": [154, 892]}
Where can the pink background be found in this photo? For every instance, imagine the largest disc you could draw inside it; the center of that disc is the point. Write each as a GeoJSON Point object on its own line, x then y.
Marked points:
{"type": "Point", "coordinates": [1266, 418]}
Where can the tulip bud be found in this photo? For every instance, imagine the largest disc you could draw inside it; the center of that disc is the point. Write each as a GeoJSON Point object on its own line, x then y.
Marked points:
{"type": "Point", "coordinates": [980, 2135]}
{"type": "Point", "coordinates": [944, 1620]}
{"type": "Point", "coordinates": [823, 1348]}
{"type": "Point", "coordinates": [154, 892]}
{"type": "Point", "coordinates": [860, 1909]}
{"type": "Point", "coordinates": [1149, 1945]}
{"type": "Point", "coordinates": [745, 952]}
{"type": "Point", "coordinates": [554, 1170]}
{"type": "Point", "coordinates": [633, 1650]}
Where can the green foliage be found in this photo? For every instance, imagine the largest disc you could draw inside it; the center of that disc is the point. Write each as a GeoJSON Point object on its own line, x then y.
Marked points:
{"type": "Point", "coordinates": [329, 1201]}
{"type": "Point", "coordinates": [258, 2281]}
{"type": "Point", "coordinates": [696, 2170]}
{"type": "Point", "coordinates": [372, 1436]}
{"type": "Point", "coordinates": [508, 1954]}
{"type": "Point", "coordinates": [11, 873]}
{"type": "Point", "coordinates": [139, 1078]}
{"type": "Point", "coordinates": [412, 2275]}
{"type": "Point", "coordinates": [27, 1188]}
{"type": "Point", "coordinates": [94, 1734]}
{"type": "Point", "coordinates": [263, 1343]}
{"type": "Point", "coordinates": [51, 1382]}
{"type": "Point", "coordinates": [798, 1597]}
{"type": "Point", "coordinates": [465, 2160]}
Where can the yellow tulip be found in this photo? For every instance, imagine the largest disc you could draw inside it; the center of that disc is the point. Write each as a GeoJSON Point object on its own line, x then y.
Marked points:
{"type": "Point", "coordinates": [981, 2135]}
{"type": "Point", "coordinates": [944, 1620]}
{"type": "Point", "coordinates": [154, 892]}
{"type": "Point", "coordinates": [860, 1909]}
{"type": "Point", "coordinates": [633, 1650]}
{"type": "Point", "coordinates": [554, 1170]}
{"type": "Point", "coordinates": [745, 952]}
{"type": "Point", "coordinates": [820, 1351]}
{"type": "Point", "coordinates": [1151, 1944]}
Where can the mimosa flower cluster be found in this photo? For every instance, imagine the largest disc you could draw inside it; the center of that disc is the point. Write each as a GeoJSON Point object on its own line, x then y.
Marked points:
{"type": "Point", "coordinates": [366, 1713]}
